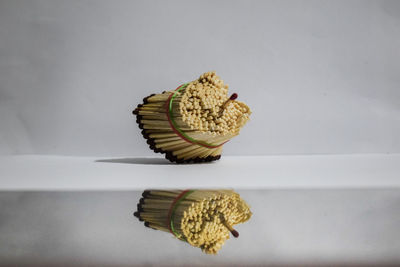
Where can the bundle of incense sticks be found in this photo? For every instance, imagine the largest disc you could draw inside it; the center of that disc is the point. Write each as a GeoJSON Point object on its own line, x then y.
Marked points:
{"type": "Point", "coordinates": [202, 218]}
{"type": "Point", "coordinates": [192, 123]}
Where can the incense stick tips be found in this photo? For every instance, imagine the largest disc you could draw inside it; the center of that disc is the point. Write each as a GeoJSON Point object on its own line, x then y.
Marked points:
{"type": "Point", "coordinates": [235, 233]}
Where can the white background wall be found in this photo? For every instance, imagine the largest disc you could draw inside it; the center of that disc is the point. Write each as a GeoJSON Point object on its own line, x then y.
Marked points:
{"type": "Point", "coordinates": [320, 76]}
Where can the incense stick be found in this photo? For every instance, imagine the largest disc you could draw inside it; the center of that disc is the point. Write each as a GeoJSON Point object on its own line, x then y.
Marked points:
{"type": "Point", "coordinates": [202, 218]}
{"type": "Point", "coordinates": [198, 113]}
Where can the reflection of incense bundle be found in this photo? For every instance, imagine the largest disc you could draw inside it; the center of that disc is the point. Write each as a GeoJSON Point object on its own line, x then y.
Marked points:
{"type": "Point", "coordinates": [203, 218]}
{"type": "Point", "coordinates": [192, 122]}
